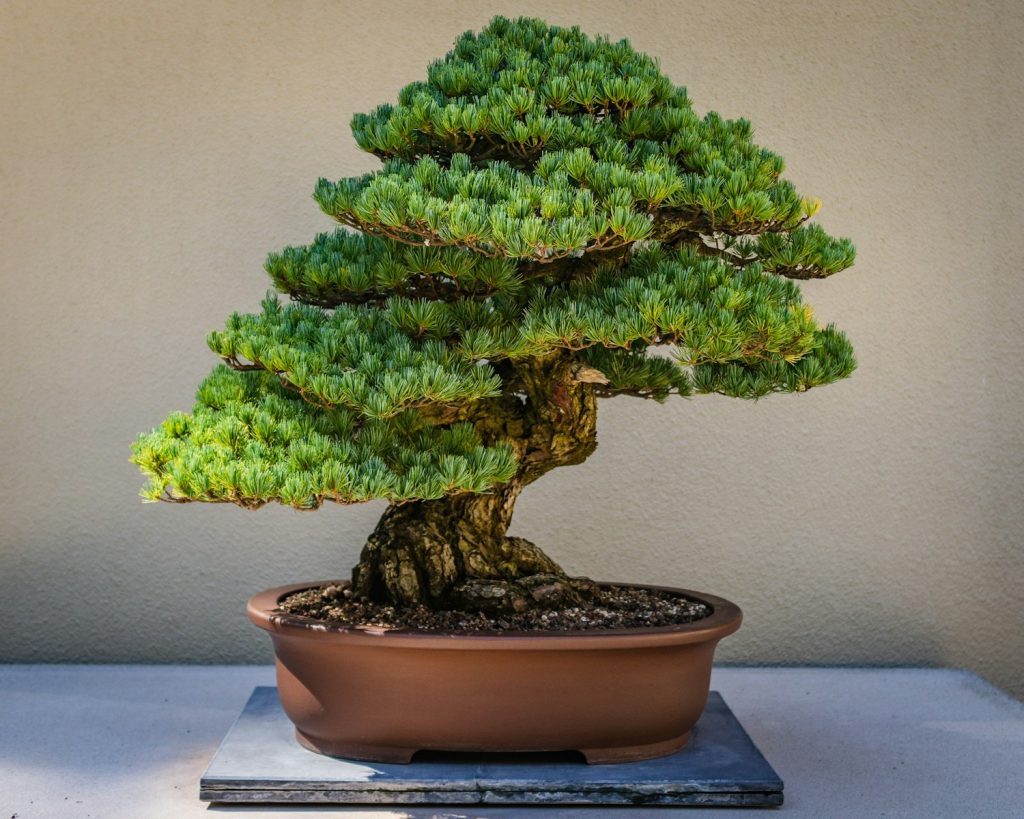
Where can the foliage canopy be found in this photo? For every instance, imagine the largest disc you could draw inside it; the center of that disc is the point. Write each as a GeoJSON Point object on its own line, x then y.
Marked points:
{"type": "Point", "coordinates": [543, 196]}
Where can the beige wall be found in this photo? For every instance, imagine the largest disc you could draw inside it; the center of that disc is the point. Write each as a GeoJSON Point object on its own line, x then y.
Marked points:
{"type": "Point", "coordinates": [152, 154]}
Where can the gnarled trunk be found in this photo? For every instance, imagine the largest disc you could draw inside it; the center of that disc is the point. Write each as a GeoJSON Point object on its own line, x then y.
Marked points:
{"type": "Point", "coordinates": [454, 553]}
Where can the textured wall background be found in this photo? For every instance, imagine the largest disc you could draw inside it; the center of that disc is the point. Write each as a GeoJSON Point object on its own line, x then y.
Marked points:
{"type": "Point", "coordinates": [152, 154]}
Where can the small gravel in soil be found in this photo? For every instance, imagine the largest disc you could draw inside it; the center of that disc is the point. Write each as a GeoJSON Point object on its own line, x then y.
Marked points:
{"type": "Point", "coordinates": [614, 607]}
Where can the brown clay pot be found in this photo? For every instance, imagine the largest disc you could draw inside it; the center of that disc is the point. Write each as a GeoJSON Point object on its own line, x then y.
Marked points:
{"type": "Point", "coordinates": [382, 695]}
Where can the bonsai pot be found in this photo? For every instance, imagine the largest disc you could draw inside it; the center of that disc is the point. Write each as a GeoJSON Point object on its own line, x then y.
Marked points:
{"type": "Point", "coordinates": [383, 694]}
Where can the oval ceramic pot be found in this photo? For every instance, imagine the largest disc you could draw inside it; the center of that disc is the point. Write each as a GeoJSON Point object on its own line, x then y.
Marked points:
{"type": "Point", "coordinates": [383, 694]}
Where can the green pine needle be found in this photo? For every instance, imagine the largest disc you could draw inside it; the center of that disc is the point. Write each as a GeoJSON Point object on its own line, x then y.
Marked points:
{"type": "Point", "coordinates": [542, 194]}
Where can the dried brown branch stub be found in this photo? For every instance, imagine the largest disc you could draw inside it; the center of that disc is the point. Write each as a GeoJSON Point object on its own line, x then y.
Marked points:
{"type": "Point", "coordinates": [586, 374]}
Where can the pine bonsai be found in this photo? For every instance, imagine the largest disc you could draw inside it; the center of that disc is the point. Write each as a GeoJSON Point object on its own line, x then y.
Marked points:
{"type": "Point", "coordinates": [549, 210]}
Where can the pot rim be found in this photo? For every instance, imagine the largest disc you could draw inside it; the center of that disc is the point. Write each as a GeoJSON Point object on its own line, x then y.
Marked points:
{"type": "Point", "coordinates": [725, 618]}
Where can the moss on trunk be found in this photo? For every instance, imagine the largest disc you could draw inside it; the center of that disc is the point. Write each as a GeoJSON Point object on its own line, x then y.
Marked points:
{"type": "Point", "coordinates": [454, 552]}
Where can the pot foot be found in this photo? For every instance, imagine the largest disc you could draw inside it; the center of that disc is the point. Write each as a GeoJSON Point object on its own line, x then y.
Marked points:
{"type": "Point", "coordinates": [634, 753]}
{"type": "Point", "coordinates": [351, 750]}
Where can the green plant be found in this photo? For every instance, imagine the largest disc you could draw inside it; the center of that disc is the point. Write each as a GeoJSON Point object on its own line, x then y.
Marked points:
{"type": "Point", "coordinates": [549, 209]}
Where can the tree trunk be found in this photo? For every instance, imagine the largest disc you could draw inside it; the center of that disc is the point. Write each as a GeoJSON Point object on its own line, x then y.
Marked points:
{"type": "Point", "coordinates": [454, 553]}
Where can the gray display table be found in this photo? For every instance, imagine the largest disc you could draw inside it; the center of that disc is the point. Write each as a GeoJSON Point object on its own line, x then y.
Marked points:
{"type": "Point", "coordinates": [102, 741]}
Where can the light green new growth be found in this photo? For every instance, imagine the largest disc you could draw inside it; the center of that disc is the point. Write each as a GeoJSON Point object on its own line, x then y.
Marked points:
{"type": "Point", "coordinates": [544, 197]}
{"type": "Point", "coordinates": [250, 441]}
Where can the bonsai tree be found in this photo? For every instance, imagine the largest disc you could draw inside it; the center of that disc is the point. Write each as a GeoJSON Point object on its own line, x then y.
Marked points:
{"type": "Point", "coordinates": [552, 224]}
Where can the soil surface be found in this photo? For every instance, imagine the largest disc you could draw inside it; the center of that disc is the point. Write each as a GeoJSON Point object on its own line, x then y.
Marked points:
{"type": "Point", "coordinates": [614, 607]}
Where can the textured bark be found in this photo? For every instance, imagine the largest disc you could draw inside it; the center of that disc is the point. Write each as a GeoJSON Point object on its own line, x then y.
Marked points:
{"type": "Point", "coordinates": [454, 552]}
